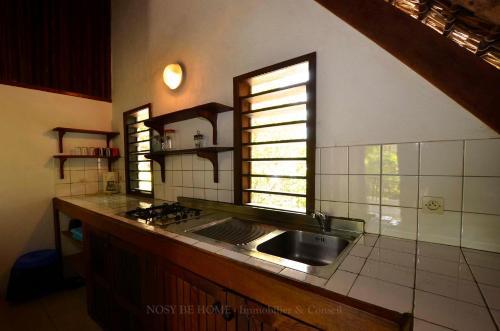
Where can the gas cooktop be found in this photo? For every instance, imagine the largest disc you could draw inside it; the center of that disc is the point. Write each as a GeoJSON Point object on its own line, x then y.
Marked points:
{"type": "Point", "coordinates": [164, 214]}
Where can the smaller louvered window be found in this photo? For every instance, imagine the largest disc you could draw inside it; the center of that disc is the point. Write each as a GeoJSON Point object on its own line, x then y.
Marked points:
{"type": "Point", "coordinates": [137, 144]}
{"type": "Point", "coordinates": [275, 136]}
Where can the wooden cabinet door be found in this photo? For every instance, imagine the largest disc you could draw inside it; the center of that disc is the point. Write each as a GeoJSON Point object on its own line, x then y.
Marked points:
{"type": "Point", "coordinates": [193, 303]}
{"type": "Point", "coordinates": [252, 316]}
{"type": "Point", "coordinates": [97, 269]}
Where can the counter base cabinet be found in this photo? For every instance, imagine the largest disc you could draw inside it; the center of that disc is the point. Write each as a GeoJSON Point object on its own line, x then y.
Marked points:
{"type": "Point", "coordinates": [128, 289]}
{"type": "Point", "coordinates": [198, 304]}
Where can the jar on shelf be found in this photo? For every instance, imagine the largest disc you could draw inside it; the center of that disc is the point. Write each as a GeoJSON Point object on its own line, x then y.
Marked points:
{"type": "Point", "coordinates": [168, 140]}
{"type": "Point", "coordinates": [198, 139]}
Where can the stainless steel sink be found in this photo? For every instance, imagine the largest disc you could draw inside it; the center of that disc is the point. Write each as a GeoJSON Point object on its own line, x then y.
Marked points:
{"type": "Point", "coordinates": [305, 247]}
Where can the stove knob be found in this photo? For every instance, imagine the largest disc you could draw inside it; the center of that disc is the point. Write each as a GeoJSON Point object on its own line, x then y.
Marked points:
{"type": "Point", "coordinates": [177, 217]}
{"type": "Point", "coordinates": [197, 212]}
{"type": "Point", "coordinates": [184, 215]}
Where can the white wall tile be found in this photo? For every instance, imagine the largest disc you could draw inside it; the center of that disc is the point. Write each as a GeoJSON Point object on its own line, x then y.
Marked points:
{"type": "Point", "coordinates": [199, 193]}
{"type": "Point", "coordinates": [338, 209]}
{"type": "Point", "coordinates": [187, 192]}
{"type": "Point", "coordinates": [364, 160]}
{"type": "Point", "coordinates": [187, 178]}
{"type": "Point", "coordinates": [481, 231]}
{"type": "Point", "coordinates": [187, 162]}
{"type": "Point", "coordinates": [482, 195]}
{"type": "Point", "coordinates": [399, 222]}
{"type": "Point", "coordinates": [62, 190]}
{"type": "Point", "coordinates": [317, 165]}
{"type": "Point", "coordinates": [91, 188]}
{"type": "Point", "coordinates": [482, 157]}
{"type": "Point", "coordinates": [368, 213]}
{"type": "Point", "coordinates": [208, 165]}
{"type": "Point", "coordinates": [177, 192]}
{"type": "Point", "coordinates": [334, 187]}
{"type": "Point", "coordinates": [77, 176]}
{"type": "Point", "coordinates": [91, 164]}
{"type": "Point", "coordinates": [317, 187]}
{"type": "Point", "coordinates": [225, 180]}
{"type": "Point", "coordinates": [225, 196]}
{"type": "Point", "coordinates": [400, 191]}
{"type": "Point", "coordinates": [159, 192]}
{"type": "Point", "coordinates": [364, 189]}
{"type": "Point", "coordinates": [226, 161]}
{"type": "Point", "coordinates": [199, 178]}
{"type": "Point", "coordinates": [176, 162]}
{"type": "Point", "coordinates": [157, 177]}
{"type": "Point", "coordinates": [449, 188]}
{"type": "Point", "coordinates": [334, 160]}
{"type": "Point", "coordinates": [209, 180]}
{"type": "Point", "coordinates": [211, 194]}
{"type": "Point", "coordinates": [400, 159]}
{"type": "Point", "coordinates": [177, 178]}
{"type": "Point", "coordinates": [169, 178]}
{"type": "Point", "coordinates": [442, 229]}
{"type": "Point", "coordinates": [198, 163]}
{"type": "Point", "coordinates": [169, 163]}
{"type": "Point", "coordinates": [76, 164]}
{"type": "Point", "coordinates": [77, 188]}
{"type": "Point", "coordinates": [91, 175]}
{"type": "Point", "coordinates": [170, 194]}
{"type": "Point", "coordinates": [441, 158]}
{"type": "Point", "coordinates": [57, 175]}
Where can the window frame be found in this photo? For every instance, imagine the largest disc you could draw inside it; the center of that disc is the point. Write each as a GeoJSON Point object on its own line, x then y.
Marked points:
{"type": "Point", "coordinates": [126, 149]}
{"type": "Point", "coordinates": [239, 88]}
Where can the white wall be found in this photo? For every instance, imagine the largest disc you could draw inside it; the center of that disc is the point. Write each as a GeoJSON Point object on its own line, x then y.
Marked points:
{"type": "Point", "coordinates": [364, 94]}
{"type": "Point", "coordinates": [27, 169]}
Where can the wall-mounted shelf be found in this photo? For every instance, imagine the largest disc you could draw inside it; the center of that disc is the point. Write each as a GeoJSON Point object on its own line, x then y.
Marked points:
{"type": "Point", "coordinates": [210, 153]}
{"type": "Point", "coordinates": [208, 111]}
{"type": "Point", "coordinates": [62, 131]}
{"type": "Point", "coordinates": [63, 158]}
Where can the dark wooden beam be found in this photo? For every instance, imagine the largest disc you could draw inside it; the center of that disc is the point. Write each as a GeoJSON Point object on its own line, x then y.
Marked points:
{"type": "Point", "coordinates": [464, 77]}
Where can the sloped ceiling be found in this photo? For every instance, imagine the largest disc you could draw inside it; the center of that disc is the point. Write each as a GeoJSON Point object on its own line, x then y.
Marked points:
{"type": "Point", "coordinates": [459, 72]}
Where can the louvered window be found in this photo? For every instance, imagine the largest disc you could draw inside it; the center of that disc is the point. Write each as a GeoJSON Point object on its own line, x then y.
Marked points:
{"type": "Point", "coordinates": [275, 135]}
{"type": "Point", "coordinates": [137, 144]}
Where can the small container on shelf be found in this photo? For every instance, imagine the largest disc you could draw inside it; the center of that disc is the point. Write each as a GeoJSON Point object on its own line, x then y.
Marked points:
{"type": "Point", "coordinates": [198, 139]}
{"type": "Point", "coordinates": [168, 140]}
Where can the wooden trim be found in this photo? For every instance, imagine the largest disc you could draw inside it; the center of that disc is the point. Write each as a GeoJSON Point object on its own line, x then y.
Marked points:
{"type": "Point", "coordinates": [461, 75]}
{"type": "Point", "coordinates": [126, 152]}
{"type": "Point", "coordinates": [265, 287]}
{"type": "Point", "coordinates": [54, 90]}
{"type": "Point", "coordinates": [240, 94]}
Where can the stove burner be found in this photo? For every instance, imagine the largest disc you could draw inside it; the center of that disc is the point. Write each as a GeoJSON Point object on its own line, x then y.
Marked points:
{"type": "Point", "coordinates": [163, 214]}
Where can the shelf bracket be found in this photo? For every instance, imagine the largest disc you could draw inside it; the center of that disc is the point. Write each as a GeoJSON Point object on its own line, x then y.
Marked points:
{"type": "Point", "coordinates": [212, 118]}
{"type": "Point", "coordinates": [160, 159]}
{"type": "Point", "coordinates": [213, 157]}
{"type": "Point", "coordinates": [61, 135]}
{"type": "Point", "coordinates": [61, 166]}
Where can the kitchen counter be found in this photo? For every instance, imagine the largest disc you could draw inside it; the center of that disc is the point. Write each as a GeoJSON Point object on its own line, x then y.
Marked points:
{"type": "Point", "coordinates": [445, 287]}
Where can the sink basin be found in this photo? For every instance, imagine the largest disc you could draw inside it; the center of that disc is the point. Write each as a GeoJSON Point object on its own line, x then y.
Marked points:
{"type": "Point", "coordinates": [306, 247]}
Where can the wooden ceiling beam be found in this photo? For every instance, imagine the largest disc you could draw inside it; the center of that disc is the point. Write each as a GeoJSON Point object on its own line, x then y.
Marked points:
{"type": "Point", "coordinates": [464, 77]}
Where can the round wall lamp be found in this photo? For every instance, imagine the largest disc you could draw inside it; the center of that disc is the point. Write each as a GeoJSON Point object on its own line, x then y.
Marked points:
{"type": "Point", "coordinates": [172, 75]}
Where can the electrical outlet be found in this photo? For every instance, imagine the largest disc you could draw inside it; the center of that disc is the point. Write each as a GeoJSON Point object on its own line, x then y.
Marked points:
{"type": "Point", "coordinates": [433, 205]}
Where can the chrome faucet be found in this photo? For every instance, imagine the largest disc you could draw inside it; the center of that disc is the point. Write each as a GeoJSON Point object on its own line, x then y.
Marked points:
{"type": "Point", "coordinates": [323, 221]}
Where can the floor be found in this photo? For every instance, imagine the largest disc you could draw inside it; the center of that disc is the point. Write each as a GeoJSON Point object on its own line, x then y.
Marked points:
{"type": "Point", "coordinates": [62, 311]}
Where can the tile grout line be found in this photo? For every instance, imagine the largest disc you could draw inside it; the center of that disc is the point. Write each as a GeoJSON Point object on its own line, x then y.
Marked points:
{"type": "Point", "coordinates": [416, 242]}
{"type": "Point", "coordinates": [480, 291]}
{"type": "Point", "coordinates": [462, 198]}
{"type": "Point", "coordinates": [380, 192]}
{"type": "Point", "coordinates": [359, 273]}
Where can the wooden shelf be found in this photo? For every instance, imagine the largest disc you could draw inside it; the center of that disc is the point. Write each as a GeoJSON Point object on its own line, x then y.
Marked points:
{"type": "Point", "coordinates": [62, 158]}
{"type": "Point", "coordinates": [210, 153]}
{"type": "Point", "coordinates": [62, 131]}
{"type": "Point", "coordinates": [208, 111]}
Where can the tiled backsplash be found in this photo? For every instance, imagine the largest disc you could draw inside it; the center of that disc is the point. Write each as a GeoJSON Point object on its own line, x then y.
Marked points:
{"type": "Point", "coordinates": [381, 184]}
{"type": "Point", "coordinates": [384, 185]}
{"type": "Point", "coordinates": [81, 176]}
{"type": "Point", "coordinates": [193, 177]}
